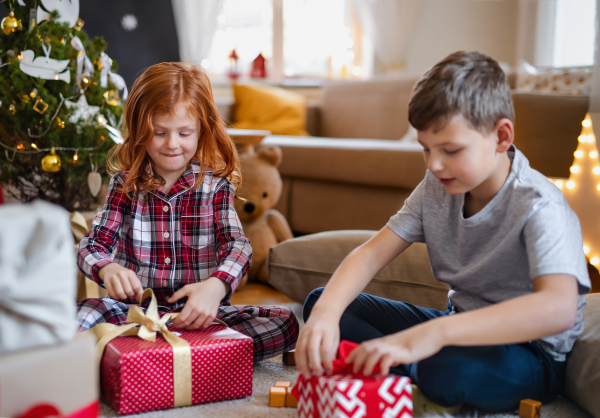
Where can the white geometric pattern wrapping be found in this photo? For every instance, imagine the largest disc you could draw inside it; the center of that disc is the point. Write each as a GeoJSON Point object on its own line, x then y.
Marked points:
{"type": "Point", "coordinates": [348, 396]}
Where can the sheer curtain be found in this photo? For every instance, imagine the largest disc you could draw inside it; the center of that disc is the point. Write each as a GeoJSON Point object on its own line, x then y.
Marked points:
{"type": "Point", "coordinates": [391, 25]}
{"type": "Point", "coordinates": [196, 22]}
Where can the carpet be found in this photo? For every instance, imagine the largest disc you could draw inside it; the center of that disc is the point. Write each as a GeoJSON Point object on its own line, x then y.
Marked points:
{"type": "Point", "coordinates": [269, 371]}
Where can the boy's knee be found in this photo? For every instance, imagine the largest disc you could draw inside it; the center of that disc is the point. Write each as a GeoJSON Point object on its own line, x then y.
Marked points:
{"type": "Point", "coordinates": [442, 380]}
{"type": "Point", "coordinates": [310, 302]}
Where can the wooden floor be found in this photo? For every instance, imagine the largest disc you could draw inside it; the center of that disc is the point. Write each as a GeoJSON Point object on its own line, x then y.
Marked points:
{"type": "Point", "coordinates": [258, 294]}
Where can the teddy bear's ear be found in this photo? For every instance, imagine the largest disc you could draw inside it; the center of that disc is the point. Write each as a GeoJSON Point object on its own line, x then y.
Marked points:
{"type": "Point", "coordinates": [272, 155]}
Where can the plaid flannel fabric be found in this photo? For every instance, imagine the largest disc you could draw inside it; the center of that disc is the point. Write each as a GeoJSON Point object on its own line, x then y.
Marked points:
{"type": "Point", "coordinates": [170, 240]}
{"type": "Point", "coordinates": [273, 329]}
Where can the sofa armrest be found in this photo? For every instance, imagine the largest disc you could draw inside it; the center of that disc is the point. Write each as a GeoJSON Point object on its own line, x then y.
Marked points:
{"type": "Point", "coordinates": [300, 265]}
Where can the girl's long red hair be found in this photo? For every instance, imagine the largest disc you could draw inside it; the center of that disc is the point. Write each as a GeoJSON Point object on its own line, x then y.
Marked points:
{"type": "Point", "coordinates": [159, 90]}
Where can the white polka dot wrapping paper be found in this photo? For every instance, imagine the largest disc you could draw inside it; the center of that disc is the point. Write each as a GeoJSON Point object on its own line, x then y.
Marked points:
{"type": "Point", "coordinates": [137, 375]}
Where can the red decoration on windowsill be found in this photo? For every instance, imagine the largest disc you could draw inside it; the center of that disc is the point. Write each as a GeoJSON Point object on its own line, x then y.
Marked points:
{"type": "Point", "coordinates": [234, 72]}
{"type": "Point", "coordinates": [258, 67]}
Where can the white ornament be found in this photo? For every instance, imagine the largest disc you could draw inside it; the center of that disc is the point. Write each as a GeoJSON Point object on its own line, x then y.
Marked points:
{"type": "Point", "coordinates": [44, 67]}
{"type": "Point", "coordinates": [82, 60]}
{"type": "Point", "coordinates": [105, 72]}
{"type": "Point", "coordinates": [94, 182]}
{"type": "Point", "coordinates": [81, 110]}
{"type": "Point", "coordinates": [68, 10]}
{"type": "Point", "coordinates": [129, 22]}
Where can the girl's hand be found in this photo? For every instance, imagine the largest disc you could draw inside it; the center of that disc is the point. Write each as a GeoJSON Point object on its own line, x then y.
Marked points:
{"type": "Point", "coordinates": [406, 347]}
{"type": "Point", "coordinates": [317, 345]}
{"type": "Point", "coordinates": [202, 306]}
{"type": "Point", "coordinates": [120, 282]}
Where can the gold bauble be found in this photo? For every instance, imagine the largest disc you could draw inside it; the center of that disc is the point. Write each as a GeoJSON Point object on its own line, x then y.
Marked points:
{"type": "Point", "coordinates": [112, 97]}
{"type": "Point", "coordinates": [85, 82]}
{"type": "Point", "coordinates": [10, 24]}
{"type": "Point", "coordinates": [51, 162]}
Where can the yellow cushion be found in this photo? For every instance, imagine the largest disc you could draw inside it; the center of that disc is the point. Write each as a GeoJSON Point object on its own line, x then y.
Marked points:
{"type": "Point", "coordinates": [271, 108]}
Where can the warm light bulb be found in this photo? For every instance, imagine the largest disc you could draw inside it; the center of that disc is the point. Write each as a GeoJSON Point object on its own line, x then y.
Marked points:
{"type": "Point", "coordinates": [590, 139]}
{"type": "Point", "coordinates": [33, 146]}
{"type": "Point", "coordinates": [570, 184]}
{"type": "Point", "coordinates": [578, 154]}
{"type": "Point", "coordinates": [596, 170]}
{"type": "Point", "coordinates": [586, 123]}
{"type": "Point", "coordinates": [575, 169]}
{"type": "Point", "coordinates": [75, 157]}
{"type": "Point", "coordinates": [594, 261]}
{"type": "Point", "coordinates": [598, 187]}
{"type": "Point", "coordinates": [582, 138]}
{"type": "Point", "coordinates": [586, 249]}
{"type": "Point", "coordinates": [559, 183]}
{"type": "Point", "coordinates": [101, 120]}
{"type": "Point", "coordinates": [593, 154]}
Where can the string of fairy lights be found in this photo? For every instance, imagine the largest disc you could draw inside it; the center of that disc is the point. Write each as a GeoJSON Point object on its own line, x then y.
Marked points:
{"type": "Point", "coordinates": [577, 185]}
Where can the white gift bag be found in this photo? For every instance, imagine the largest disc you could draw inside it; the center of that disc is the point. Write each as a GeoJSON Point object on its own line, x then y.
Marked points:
{"type": "Point", "coordinates": [38, 276]}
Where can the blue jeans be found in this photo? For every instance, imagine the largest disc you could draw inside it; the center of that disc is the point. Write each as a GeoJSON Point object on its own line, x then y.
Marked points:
{"type": "Point", "coordinates": [495, 378]}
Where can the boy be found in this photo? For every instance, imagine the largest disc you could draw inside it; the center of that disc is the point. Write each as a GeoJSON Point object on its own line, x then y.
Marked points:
{"type": "Point", "coordinates": [497, 231]}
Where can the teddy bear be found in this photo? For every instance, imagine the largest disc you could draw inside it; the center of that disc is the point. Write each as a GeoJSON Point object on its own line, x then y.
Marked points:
{"type": "Point", "coordinates": [260, 190]}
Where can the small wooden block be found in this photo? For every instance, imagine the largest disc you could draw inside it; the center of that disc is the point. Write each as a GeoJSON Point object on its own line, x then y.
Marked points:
{"type": "Point", "coordinates": [290, 400]}
{"type": "Point", "coordinates": [282, 384]}
{"type": "Point", "coordinates": [530, 409]}
{"type": "Point", "coordinates": [289, 358]}
{"type": "Point", "coordinates": [277, 397]}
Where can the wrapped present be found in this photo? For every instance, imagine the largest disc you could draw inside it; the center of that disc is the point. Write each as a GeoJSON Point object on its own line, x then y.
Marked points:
{"type": "Point", "coordinates": [58, 381]}
{"type": "Point", "coordinates": [347, 395]}
{"type": "Point", "coordinates": [141, 372]}
{"type": "Point", "coordinates": [37, 276]}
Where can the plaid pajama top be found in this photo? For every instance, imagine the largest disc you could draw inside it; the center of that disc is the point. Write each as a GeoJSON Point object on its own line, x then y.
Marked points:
{"type": "Point", "coordinates": [170, 240]}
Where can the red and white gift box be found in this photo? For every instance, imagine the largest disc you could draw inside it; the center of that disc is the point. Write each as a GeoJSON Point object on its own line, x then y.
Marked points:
{"type": "Point", "coordinates": [347, 395]}
{"type": "Point", "coordinates": [137, 375]}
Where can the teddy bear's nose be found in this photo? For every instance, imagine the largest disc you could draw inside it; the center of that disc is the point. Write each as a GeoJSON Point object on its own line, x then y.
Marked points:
{"type": "Point", "coordinates": [249, 207]}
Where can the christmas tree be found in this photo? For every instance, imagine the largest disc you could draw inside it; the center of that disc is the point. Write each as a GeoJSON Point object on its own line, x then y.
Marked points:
{"type": "Point", "coordinates": [61, 104]}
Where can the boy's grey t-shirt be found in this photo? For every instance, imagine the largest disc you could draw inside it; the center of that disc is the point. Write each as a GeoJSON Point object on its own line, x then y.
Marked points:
{"type": "Point", "coordinates": [525, 231]}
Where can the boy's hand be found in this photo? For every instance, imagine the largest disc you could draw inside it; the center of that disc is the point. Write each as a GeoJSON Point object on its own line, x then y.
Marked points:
{"type": "Point", "coordinates": [406, 347]}
{"type": "Point", "coordinates": [120, 282]}
{"type": "Point", "coordinates": [317, 345]}
{"type": "Point", "coordinates": [202, 306]}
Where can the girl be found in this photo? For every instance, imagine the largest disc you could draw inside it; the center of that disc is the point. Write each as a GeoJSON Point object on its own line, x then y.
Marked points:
{"type": "Point", "coordinates": [169, 213]}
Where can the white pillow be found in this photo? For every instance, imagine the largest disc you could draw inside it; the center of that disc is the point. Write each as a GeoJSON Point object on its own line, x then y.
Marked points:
{"type": "Point", "coordinates": [566, 80]}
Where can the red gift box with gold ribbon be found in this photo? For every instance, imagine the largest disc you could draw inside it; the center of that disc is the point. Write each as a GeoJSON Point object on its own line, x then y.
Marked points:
{"type": "Point", "coordinates": [344, 394]}
{"type": "Point", "coordinates": [175, 368]}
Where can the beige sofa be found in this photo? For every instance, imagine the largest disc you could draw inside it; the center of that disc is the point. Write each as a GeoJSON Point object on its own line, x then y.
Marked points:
{"type": "Point", "coordinates": [355, 173]}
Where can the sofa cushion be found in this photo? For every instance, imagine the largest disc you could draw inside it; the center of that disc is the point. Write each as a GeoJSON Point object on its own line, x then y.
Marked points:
{"type": "Point", "coordinates": [270, 108]}
{"type": "Point", "coordinates": [583, 363]}
{"type": "Point", "coordinates": [356, 161]}
{"type": "Point", "coordinates": [366, 109]}
{"type": "Point", "coordinates": [299, 265]}
{"type": "Point", "coordinates": [546, 129]}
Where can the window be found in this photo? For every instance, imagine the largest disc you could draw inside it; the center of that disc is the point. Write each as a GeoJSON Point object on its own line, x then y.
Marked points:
{"type": "Point", "coordinates": [574, 34]}
{"type": "Point", "coordinates": [298, 38]}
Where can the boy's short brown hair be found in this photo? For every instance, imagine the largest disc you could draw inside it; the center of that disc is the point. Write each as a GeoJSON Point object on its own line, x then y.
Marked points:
{"type": "Point", "coordinates": [469, 84]}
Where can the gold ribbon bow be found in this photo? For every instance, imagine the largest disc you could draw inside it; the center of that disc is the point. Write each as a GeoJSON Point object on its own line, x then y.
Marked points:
{"type": "Point", "coordinates": [149, 324]}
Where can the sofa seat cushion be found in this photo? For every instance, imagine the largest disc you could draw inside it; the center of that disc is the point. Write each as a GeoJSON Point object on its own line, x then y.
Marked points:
{"type": "Point", "coordinates": [583, 362]}
{"type": "Point", "coordinates": [300, 265]}
{"type": "Point", "coordinates": [356, 161]}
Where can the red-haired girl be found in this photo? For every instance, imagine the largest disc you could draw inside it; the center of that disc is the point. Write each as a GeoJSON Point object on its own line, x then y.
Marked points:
{"type": "Point", "coordinates": [169, 212]}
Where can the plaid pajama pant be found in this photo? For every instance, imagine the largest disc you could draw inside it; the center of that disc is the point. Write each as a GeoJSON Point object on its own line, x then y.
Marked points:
{"type": "Point", "coordinates": [274, 329]}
